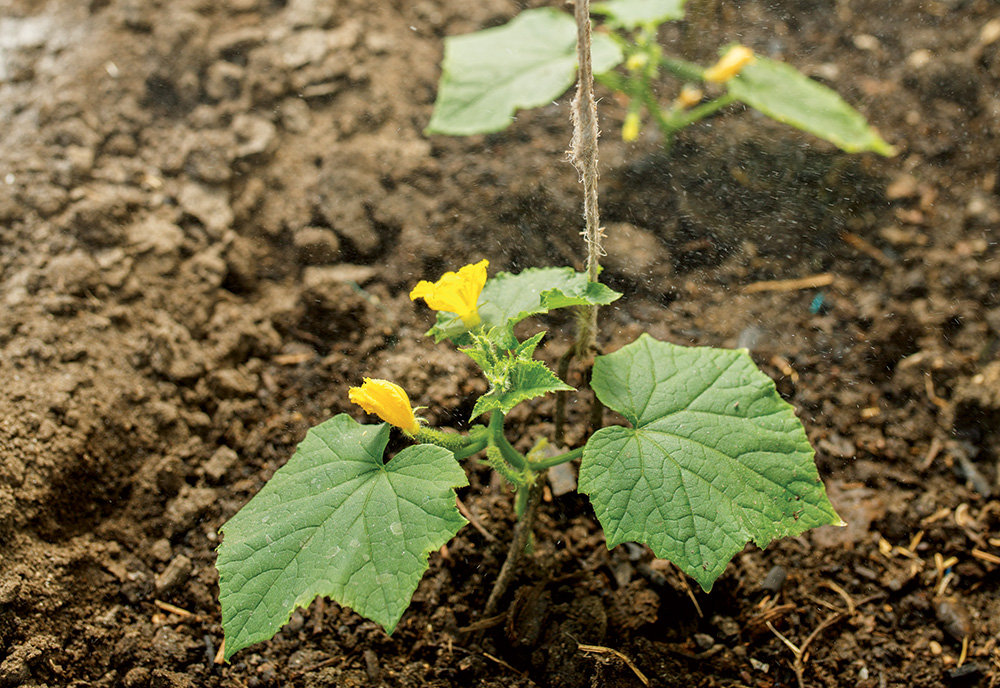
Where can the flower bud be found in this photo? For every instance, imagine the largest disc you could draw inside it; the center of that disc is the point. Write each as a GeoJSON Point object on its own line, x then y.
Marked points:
{"type": "Point", "coordinates": [388, 401]}
{"type": "Point", "coordinates": [735, 59]}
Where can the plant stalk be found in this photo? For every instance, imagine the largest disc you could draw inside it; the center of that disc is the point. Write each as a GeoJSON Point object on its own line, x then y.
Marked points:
{"type": "Point", "coordinates": [522, 533]}
{"type": "Point", "coordinates": [544, 464]}
{"type": "Point", "coordinates": [497, 439]}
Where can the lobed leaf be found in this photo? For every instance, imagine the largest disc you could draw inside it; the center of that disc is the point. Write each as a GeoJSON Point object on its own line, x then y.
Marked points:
{"type": "Point", "coordinates": [509, 298]}
{"type": "Point", "coordinates": [513, 374]}
{"type": "Point", "coordinates": [714, 457]}
{"type": "Point", "coordinates": [631, 14]}
{"type": "Point", "coordinates": [785, 94]}
{"type": "Point", "coordinates": [335, 521]}
{"type": "Point", "coordinates": [528, 62]}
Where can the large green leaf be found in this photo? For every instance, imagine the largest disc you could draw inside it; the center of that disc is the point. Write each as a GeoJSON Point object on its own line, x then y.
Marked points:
{"type": "Point", "coordinates": [336, 521]}
{"type": "Point", "coordinates": [631, 14]}
{"type": "Point", "coordinates": [509, 298]}
{"type": "Point", "coordinates": [714, 457]}
{"type": "Point", "coordinates": [513, 374]}
{"type": "Point", "coordinates": [783, 93]}
{"type": "Point", "coordinates": [526, 63]}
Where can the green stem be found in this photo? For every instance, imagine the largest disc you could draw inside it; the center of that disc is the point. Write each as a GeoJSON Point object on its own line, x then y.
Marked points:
{"type": "Point", "coordinates": [496, 437]}
{"type": "Point", "coordinates": [473, 448]}
{"type": "Point", "coordinates": [538, 466]}
{"type": "Point", "coordinates": [688, 71]}
{"type": "Point", "coordinates": [680, 120]}
{"type": "Point", "coordinates": [521, 502]}
{"type": "Point", "coordinates": [522, 535]}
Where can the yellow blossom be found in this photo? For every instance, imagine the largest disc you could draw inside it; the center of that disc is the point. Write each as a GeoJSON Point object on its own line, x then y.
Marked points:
{"type": "Point", "coordinates": [630, 129]}
{"type": "Point", "coordinates": [386, 400]}
{"type": "Point", "coordinates": [688, 97]}
{"type": "Point", "coordinates": [735, 59]}
{"type": "Point", "coordinates": [636, 61]}
{"type": "Point", "coordinates": [456, 292]}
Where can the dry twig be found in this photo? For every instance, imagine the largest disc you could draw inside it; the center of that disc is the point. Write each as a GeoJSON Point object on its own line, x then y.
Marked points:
{"type": "Point", "coordinates": [599, 649]}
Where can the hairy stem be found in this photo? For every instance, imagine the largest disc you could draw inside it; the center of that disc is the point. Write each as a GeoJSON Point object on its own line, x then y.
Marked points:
{"type": "Point", "coordinates": [562, 372]}
{"type": "Point", "coordinates": [498, 440]}
{"type": "Point", "coordinates": [542, 464]}
{"type": "Point", "coordinates": [522, 532]}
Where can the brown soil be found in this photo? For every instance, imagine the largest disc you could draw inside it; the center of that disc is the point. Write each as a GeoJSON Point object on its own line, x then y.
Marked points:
{"type": "Point", "coordinates": [211, 214]}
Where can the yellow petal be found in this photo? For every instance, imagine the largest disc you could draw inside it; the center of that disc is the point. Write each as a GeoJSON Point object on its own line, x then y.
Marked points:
{"type": "Point", "coordinates": [630, 129]}
{"type": "Point", "coordinates": [456, 292]}
{"type": "Point", "coordinates": [735, 59]}
{"type": "Point", "coordinates": [688, 97]}
{"type": "Point", "coordinates": [386, 400]}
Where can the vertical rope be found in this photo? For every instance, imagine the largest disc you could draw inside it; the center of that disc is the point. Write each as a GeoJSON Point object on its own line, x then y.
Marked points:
{"type": "Point", "coordinates": [583, 155]}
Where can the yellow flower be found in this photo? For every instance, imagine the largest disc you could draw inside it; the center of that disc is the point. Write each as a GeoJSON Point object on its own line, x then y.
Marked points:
{"type": "Point", "coordinates": [630, 129]}
{"type": "Point", "coordinates": [636, 61]}
{"type": "Point", "coordinates": [456, 292]}
{"type": "Point", "coordinates": [730, 64]}
{"type": "Point", "coordinates": [688, 97]}
{"type": "Point", "coordinates": [386, 400]}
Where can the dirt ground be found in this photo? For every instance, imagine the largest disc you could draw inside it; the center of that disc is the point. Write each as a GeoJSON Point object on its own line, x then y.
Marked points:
{"type": "Point", "coordinates": [211, 214]}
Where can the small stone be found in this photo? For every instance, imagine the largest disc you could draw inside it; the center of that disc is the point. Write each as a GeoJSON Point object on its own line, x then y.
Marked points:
{"type": "Point", "coordinates": [317, 245]}
{"type": "Point", "coordinates": [904, 186]}
{"type": "Point", "coordinates": [161, 550]}
{"type": "Point", "coordinates": [320, 278]}
{"type": "Point", "coordinates": [726, 625]}
{"type": "Point", "coordinates": [254, 135]}
{"type": "Point", "coordinates": [75, 273]}
{"type": "Point", "coordinates": [220, 462]}
{"type": "Point", "coordinates": [305, 47]}
{"type": "Point", "coordinates": [295, 115]}
{"type": "Point", "coordinates": [241, 261]}
{"type": "Point", "coordinates": [224, 81]}
{"type": "Point", "coordinates": [80, 159]}
{"type": "Point", "coordinates": [157, 234]}
{"type": "Point", "coordinates": [47, 430]}
{"type": "Point", "coordinates": [210, 205]}
{"type": "Point", "coordinates": [774, 580]}
{"type": "Point", "coordinates": [210, 159]}
{"type": "Point", "coordinates": [954, 618]}
{"type": "Point", "coordinates": [137, 677]}
{"type": "Point", "coordinates": [175, 575]}
{"type": "Point", "coordinates": [704, 641]}
{"type": "Point", "coordinates": [47, 199]}
{"type": "Point", "coordinates": [184, 510]}
{"type": "Point", "coordinates": [231, 382]}
{"type": "Point", "coordinates": [967, 674]}
{"type": "Point", "coordinates": [372, 666]}
{"type": "Point", "coordinates": [562, 479]}
{"type": "Point", "coordinates": [303, 13]}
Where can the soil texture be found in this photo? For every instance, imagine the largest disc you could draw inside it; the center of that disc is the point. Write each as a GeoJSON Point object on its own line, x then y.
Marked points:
{"type": "Point", "coordinates": [211, 214]}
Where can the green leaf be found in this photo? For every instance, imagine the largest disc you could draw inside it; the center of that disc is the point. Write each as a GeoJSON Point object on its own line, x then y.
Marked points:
{"type": "Point", "coordinates": [526, 63]}
{"type": "Point", "coordinates": [714, 457]}
{"type": "Point", "coordinates": [335, 521]}
{"type": "Point", "coordinates": [785, 94]}
{"type": "Point", "coordinates": [509, 298]}
{"type": "Point", "coordinates": [631, 14]}
{"type": "Point", "coordinates": [513, 374]}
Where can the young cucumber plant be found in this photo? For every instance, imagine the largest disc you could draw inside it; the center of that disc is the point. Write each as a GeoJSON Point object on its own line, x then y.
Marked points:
{"type": "Point", "coordinates": [479, 92]}
{"type": "Point", "coordinates": [712, 458]}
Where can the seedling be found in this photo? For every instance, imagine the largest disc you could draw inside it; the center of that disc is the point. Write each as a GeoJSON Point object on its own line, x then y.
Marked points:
{"type": "Point", "coordinates": [480, 91]}
{"type": "Point", "coordinates": [711, 458]}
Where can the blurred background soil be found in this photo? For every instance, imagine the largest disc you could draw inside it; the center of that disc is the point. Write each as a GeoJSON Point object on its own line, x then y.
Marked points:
{"type": "Point", "coordinates": [211, 214]}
